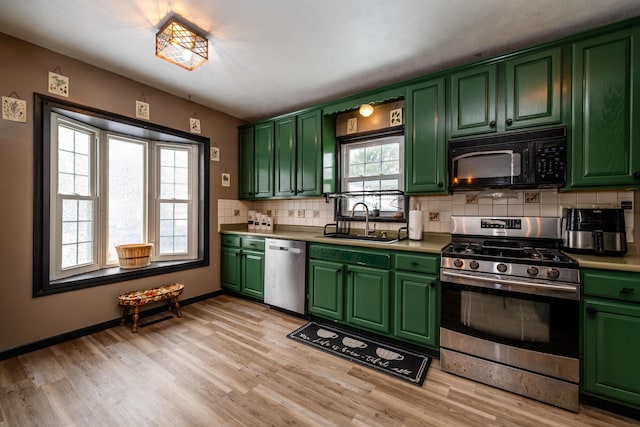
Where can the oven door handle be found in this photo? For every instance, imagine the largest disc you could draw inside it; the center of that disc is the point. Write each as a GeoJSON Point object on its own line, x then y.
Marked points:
{"type": "Point", "coordinates": [561, 288]}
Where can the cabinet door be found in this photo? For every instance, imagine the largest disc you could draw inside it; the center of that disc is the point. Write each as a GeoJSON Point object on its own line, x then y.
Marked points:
{"type": "Point", "coordinates": [416, 317]}
{"type": "Point", "coordinates": [263, 155]}
{"type": "Point", "coordinates": [309, 155]}
{"type": "Point", "coordinates": [533, 95]}
{"type": "Point", "coordinates": [606, 100]}
{"type": "Point", "coordinates": [368, 298]}
{"type": "Point", "coordinates": [253, 274]}
{"type": "Point", "coordinates": [246, 175]}
{"type": "Point", "coordinates": [285, 157]}
{"type": "Point", "coordinates": [425, 145]}
{"type": "Point", "coordinates": [473, 101]}
{"type": "Point", "coordinates": [611, 350]}
{"type": "Point", "coordinates": [326, 289]}
{"type": "Point", "coordinates": [230, 268]}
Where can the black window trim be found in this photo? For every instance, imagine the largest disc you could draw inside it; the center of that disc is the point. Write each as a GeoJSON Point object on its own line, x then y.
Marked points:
{"type": "Point", "coordinates": [43, 107]}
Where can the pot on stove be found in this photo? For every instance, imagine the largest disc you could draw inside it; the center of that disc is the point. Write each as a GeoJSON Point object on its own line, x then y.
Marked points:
{"type": "Point", "coordinates": [594, 231]}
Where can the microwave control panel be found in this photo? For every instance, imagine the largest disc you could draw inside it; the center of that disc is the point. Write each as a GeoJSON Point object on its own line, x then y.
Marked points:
{"type": "Point", "coordinates": [551, 159]}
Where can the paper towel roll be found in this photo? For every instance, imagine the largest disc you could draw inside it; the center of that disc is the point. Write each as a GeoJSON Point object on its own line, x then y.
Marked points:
{"type": "Point", "coordinates": [415, 225]}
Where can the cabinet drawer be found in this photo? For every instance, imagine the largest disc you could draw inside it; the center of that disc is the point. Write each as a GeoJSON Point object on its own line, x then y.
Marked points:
{"type": "Point", "coordinates": [231, 241]}
{"type": "Point", "coordinates": [256, 244]}
{"type": "Point", "coordinates": [369, 259]}
{"type": "Point", "coordinates": [612, 284]}
{"type": "Point", "coordinates": [417, 263]}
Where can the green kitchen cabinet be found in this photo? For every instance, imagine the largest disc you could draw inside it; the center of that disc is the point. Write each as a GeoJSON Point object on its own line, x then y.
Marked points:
{"type": "Point", "coordinates": [415, 291]}
{"type": "Point", "coordinates": [253, 274]}
{"type": "Point", "coordinates": [368, 298]}
{"type": "Point", "coordinates": [263, 155]}
{"type": "Point", "coordinates": [473, 107]}
{"type": "Point", "coordinates": [533, 92]}
{"type": "Point", "coordinates": [605, 148]}
{"type": "Point", "coordinates": [230, 266]}
{"type": "Point", "coordinates": [256, 161]}
{"type": "Point", "coordinates": [416, 308]}
{"type": "Point", "coordinates": [309, 154]}
{"type": "Point", "coordinates": [326, 289]}
{"type": "Point", "coordinates": [242, 265]}
{"type": "Point", "coordinates": [246, 174]}
{"type": "Point", "coordinates": [425, 140]}
{"type": "Point", "coordinates": [522, 92]}
{"type": "Point", "coordinates": [298, 155]}
{"type": "Point", "coordinates": [611, 349]}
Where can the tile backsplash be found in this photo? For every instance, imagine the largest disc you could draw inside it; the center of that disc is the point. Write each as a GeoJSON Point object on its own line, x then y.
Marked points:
{"type": "Point", "coordinates": [437, 210]}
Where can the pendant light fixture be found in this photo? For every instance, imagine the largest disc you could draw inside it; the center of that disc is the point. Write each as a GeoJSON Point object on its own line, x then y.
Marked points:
{"type": "Point", "coordinates": [179, 44]}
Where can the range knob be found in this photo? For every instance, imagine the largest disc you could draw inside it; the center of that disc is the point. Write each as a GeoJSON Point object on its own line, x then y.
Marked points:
{"type": "Point", "coordinates": [532, 271]}
{"type": "Point", "coordinates": [553, 273]}
{"type": "Point", "coordinates": [502, 267]}
{"type": "Point", "coordinates": [457, 263]}
{"type": "Point", "coordinates": [474, 265]}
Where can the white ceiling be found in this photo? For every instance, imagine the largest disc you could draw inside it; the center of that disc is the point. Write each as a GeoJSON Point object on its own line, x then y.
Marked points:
{"type": "Point", "coordinates": [274, 56]}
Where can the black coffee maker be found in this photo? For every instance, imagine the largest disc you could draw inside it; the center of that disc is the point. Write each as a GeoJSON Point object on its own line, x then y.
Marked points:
{"type": "Point", "coordinates": [594, 231]}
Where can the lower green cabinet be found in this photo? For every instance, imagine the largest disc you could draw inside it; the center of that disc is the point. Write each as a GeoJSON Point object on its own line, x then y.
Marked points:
{"type": "Point", "coordinates": [326, 289]}
{"type": "Point", "coordinates": [253, 274]}
{"type": "Point", "coordinates": [611, 332]}
{"type": "Point", "coordinates": [415, 308]}
{"type": "Point", "coordinates": [387, 292]}
{"type": "Point", "coordinates": [368, 298]}
{"type": "Point", "coordinates": [242, 269]}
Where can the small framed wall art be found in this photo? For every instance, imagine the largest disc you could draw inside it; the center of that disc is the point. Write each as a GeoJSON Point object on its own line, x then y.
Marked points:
{"type": "Point", "coordinates": [14, 109]}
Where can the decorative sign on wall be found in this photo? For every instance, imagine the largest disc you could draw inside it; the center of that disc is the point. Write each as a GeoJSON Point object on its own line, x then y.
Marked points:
{"type": "Point", "coordinates": [194, 125]}
{"type": "Point", "coordinates": [352, 125]}
{"type": "Point", "coordinates": [215, 154]}
{"type": "Point", "coordinates": [142, 110]}
{"type": "Point", "coordinates": [226, 180]}
{"type": "Point", "coordinates": [395, 117]}
{"type": "Point", "coordinates": [58, 84]}
{"type": "Point", "coordinates": [14, 109]}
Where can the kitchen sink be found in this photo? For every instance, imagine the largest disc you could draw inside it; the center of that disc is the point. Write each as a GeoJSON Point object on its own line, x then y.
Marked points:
{"type": "Point", "coordinates": [361, 237]}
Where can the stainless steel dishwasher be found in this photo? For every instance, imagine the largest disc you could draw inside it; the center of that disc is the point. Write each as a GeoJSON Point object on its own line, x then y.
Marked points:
{"type": "Point", "coordinates": [285, 274]}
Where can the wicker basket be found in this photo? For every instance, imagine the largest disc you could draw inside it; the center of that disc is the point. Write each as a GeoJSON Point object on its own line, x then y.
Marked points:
{"type": "Point", "coordinates": [134, 255]}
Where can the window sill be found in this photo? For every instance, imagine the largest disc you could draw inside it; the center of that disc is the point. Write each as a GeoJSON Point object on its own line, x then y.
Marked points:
{"type": "Point", "coordinates": [117, 274]}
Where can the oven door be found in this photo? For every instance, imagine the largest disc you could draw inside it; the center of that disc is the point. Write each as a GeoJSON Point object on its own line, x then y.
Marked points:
{"type": "Point", "coordinates": [494, 166]}
{"type": "Point", "coordinates": [533, 322]}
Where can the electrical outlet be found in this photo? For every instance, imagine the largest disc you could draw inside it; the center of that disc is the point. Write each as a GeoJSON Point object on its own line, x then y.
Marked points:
{"type": "Point", "coordinates": [300, 213]}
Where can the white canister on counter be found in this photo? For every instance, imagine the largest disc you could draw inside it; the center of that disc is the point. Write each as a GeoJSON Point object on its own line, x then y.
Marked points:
{"type": "Point", "coordinates": [415, 225]}
{"type": "Point", "coordinates": [269, 223]}
{"type": "Point", "coordinates": [251, 220]}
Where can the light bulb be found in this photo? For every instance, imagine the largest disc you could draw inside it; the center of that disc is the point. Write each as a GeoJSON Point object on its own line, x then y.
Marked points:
{"type": "Point", "coordinates": [366, 110]}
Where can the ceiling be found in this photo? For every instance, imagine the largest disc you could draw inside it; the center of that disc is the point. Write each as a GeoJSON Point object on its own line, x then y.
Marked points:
{"type": "Point", "coordinates": [275, 56]}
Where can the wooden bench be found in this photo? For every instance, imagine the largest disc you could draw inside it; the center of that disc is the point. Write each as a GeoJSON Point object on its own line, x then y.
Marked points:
{"type": "Point", "coordinates": [136, 299]}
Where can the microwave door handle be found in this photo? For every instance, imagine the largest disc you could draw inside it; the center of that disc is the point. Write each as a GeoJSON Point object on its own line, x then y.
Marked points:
{"type": "Point", "coordinates": [484, 153]}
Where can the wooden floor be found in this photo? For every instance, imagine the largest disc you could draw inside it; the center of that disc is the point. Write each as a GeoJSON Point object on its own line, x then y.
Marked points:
{"type": "Point", "coordinates": [227, 362]}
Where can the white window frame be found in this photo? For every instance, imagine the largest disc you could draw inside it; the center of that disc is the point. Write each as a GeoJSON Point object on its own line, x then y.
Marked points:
{"type": "Point", "coordinates": [347, 147]}
{"type": "Point", "coordinates": [99, 195]}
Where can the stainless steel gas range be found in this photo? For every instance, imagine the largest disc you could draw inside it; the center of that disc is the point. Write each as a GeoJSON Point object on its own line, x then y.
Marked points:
{"type": "Point", "coordinates": [510, 307]}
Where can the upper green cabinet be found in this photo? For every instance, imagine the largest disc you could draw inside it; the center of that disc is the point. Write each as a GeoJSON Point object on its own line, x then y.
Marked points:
{"type": "Point", "coordinates": [605, 143]}
{"type": "Point", "coordinates": [473, 101]}
{"type": "Point", "coordinates": [298, 155]}
{"type": "Point", "coordinates": [533, 93]}
{"type": "Point", "coordinates": [425, 141]}
{"type": "Point", "coordinates": [256, 161]}
{"type": "Point", "coordinates": [521, 92]}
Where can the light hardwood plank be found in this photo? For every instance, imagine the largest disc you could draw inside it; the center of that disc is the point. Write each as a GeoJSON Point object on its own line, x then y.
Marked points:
{"type": "Point", "coordinates": [227, 362]}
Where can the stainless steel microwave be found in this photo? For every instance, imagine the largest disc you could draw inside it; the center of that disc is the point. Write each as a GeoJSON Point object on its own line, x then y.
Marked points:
{"type": "Point", "coordinates": [520, 160]}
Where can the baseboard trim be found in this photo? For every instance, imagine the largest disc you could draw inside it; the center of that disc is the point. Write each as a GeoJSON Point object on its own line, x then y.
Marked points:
{"type": "Point", "coordinates": [67, 336]}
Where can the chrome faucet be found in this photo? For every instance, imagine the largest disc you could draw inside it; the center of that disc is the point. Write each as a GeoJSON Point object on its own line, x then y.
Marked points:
{"type": "Point", "coordinates": [366, 217]}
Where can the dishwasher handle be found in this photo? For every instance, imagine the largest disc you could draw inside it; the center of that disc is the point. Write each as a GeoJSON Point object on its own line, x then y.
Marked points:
{"type": "Point", "coordinates": [284, 249]}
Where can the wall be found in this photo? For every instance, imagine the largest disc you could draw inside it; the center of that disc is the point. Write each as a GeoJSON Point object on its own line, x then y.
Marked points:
{"type": "Point", "coordinates": [24, 70]}
{"type": "Point", "coordinates": [437, 210]}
